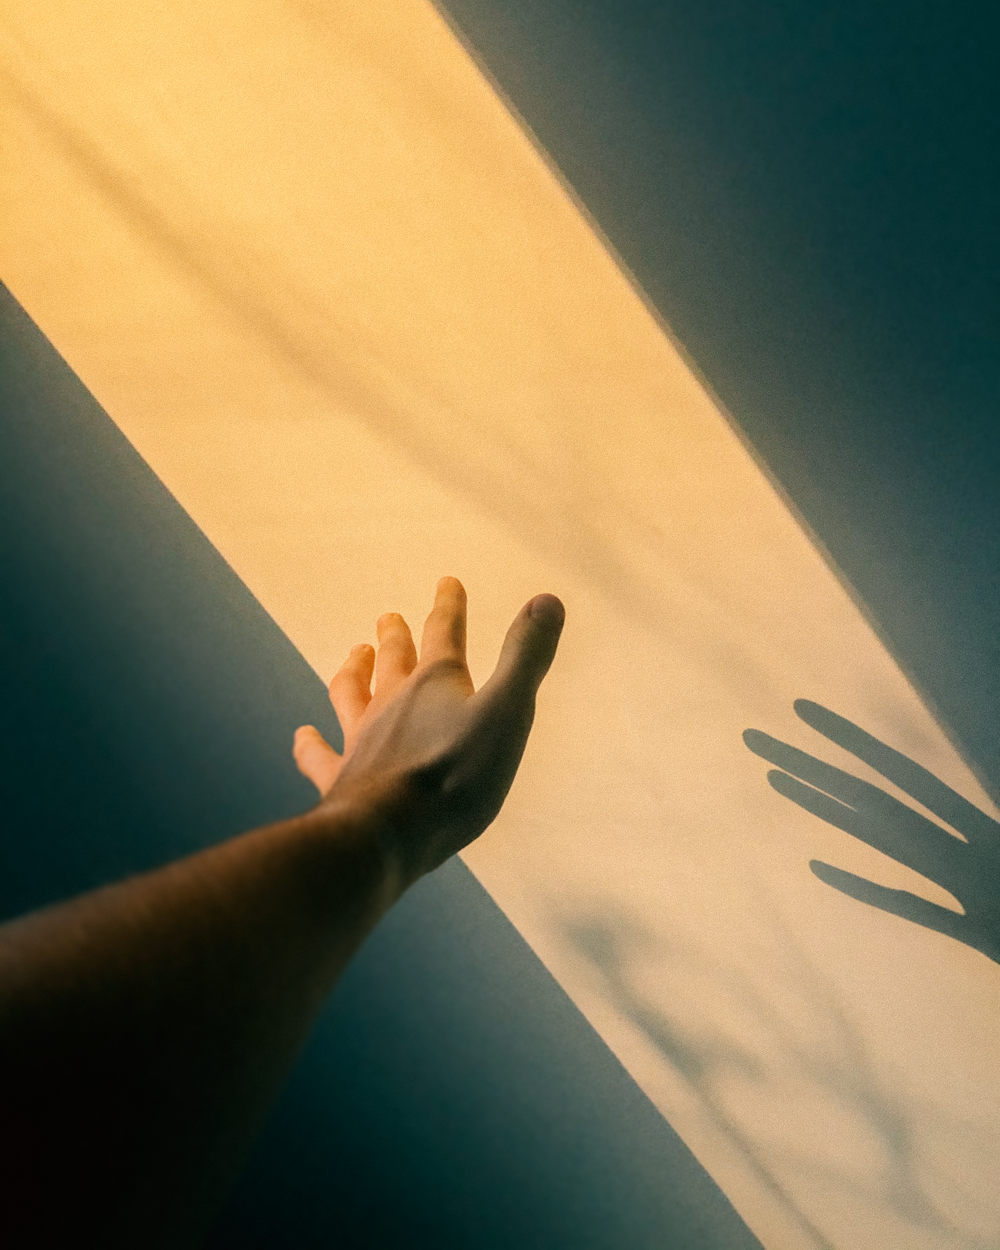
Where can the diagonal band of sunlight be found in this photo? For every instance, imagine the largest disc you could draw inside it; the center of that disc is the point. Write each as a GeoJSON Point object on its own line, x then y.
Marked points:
{"type": "Point", "coordinates": [257, 290]}
{"type": "Point", "coordinates": [317, 274]}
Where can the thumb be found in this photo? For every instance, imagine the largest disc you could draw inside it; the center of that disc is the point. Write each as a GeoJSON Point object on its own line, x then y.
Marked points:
{"type": "Point", "coordinates": [530, 646]}
{"type": "Point", "coordinates": [315, 758]}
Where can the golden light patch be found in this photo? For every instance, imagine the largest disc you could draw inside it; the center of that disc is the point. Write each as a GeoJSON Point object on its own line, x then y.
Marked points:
{"type": "Point", "coordinates": [328, 288]}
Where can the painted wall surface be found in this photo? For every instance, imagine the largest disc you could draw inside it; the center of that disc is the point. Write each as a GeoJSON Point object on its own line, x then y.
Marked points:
{"type": "Point", "coordinates": [336, 299]}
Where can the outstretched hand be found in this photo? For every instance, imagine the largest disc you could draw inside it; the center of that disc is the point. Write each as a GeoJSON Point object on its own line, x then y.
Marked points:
{"type": "Point", "coordinates": [429, 758]}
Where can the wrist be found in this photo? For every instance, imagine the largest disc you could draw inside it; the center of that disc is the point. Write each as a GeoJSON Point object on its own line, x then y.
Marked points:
{"type": "Point", "coordinates": [353, 845]}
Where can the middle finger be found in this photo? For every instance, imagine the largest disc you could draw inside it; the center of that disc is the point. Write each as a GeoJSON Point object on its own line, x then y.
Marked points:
{"type": "Point", "coordinates": [444, 630]}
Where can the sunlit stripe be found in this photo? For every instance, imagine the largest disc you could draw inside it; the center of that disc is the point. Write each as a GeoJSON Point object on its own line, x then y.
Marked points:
{"type": "Point", "coordinates": [326, 286]}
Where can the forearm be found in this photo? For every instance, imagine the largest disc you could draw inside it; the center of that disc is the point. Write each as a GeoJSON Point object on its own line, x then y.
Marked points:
{"type": "Point", "coordinates": [146, 1028]}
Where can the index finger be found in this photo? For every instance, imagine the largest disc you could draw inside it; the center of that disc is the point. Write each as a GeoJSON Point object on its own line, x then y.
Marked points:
{"type": "Point", "coordinates": [444, 630]}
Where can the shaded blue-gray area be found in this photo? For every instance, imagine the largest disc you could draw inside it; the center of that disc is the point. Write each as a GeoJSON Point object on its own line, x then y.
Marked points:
{"type": "Point", "coordinates": [809, 195]}
{"type": "Point", "coordinates": [451, 1095]}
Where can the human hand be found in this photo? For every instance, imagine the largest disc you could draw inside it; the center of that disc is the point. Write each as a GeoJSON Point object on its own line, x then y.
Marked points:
{"type": "Point", "coordinates": [427, 757]}
{"type": "Point", "coordinates": [967, 866]}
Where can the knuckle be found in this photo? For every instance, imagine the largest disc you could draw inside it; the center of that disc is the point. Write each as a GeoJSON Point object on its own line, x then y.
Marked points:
{"type": "Point", "coordinates": [443, 666]}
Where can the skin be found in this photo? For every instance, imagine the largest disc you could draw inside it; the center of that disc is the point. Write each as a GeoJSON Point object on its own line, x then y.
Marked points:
{"type": "Point", "coordinates": [146, 1028]}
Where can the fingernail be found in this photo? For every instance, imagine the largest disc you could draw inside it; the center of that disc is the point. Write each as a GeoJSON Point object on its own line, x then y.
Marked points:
{"type": "Point", "coordinates": [547, 609]}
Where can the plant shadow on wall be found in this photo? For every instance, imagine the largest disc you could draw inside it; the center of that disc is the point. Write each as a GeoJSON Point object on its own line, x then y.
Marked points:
{"type": "Point", "coordinates": [968, 867]}
{"type": "Point", "coordinates": [776, 1038]}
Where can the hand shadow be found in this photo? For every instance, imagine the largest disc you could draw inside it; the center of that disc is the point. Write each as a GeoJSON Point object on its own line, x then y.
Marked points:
{"type": "Point", "coordinates": [969, 870]}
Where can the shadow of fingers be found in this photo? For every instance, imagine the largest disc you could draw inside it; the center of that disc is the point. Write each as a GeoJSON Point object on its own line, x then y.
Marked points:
{"type": "Point", "coordinates": [886, 825]}
{"type": "Point", "coordinates": [966, 864]}
{"type": "Point", "coordinates": [896, 902]}
{"type": "Point", "coordinates": [912, 778]}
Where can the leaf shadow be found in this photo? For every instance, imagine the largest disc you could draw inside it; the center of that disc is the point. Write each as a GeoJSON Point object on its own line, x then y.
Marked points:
{"type": "Point", "coordinates": [830, 1058]}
